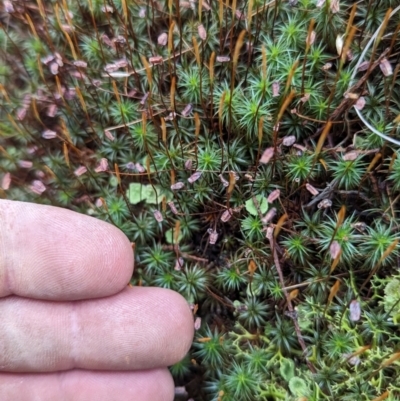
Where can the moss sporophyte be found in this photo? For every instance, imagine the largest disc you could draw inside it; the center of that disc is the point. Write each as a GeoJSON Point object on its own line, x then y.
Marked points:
{"type": "Point", "coordinates": [249, 149]}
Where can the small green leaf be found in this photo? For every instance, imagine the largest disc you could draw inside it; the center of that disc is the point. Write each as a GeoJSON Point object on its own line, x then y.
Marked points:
{"type": "Point", "coordinates": [169, 237]}
{"type": "Point", "coordinates": [287, 369]}
{"type": "Point", "coordinates": [391, 299]}
{"type": "Point", "coordinates": [151, 195]}
{"type": "Point", "coordinates": [140, 192]}
{"type": "Point", "coordinates": [298, 386]}
{"type": "Point", "coordinates": [114, 181]}
{"type": "Point", "coordinates": [251, 207]}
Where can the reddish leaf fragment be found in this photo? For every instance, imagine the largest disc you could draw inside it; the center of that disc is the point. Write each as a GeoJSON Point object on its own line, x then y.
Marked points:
{"type": "Point", "coordinates": [269, 216]}
{"type": "Point", "coordinates": [187, 110]}
{"type": "Point", "coordinates": [143, 100]}
{"type": "Point", "coordinates": [202, 32]}
{"type": "Point", "coordinates": [178, 264]}
{"type": "Point", "coordinates": [37, 187]}
{"type": "Point", "coordinates": [240, 15]}
{"type": "Point", "coordinates": [177, 186]}
{"type": "Point", "coordinates": [335, 249]}
{"type": "Point", "coordinates": [273, 195]}
{"type": "Point", "coordinates": [102, 166]}
{"type": "Point", "coordinates": [360, 103]}
{"type": "Point", "coordinates": [267, 155]}
{"type": "Point", "coordinates": [111, 67]}
{"type": "Point", "coordinates": [270, 232]}
{"type": "Point", "coordinates": [188, 164]}
{"type": "Point", "coordinates": [363, 66]}
{"type": "Point", "coordinates": [32, 149]}
{"type": "Point", "coordinates": [162, 40]}
{"type": "Point", "coordinates": [52, 110]}
{"type": "Point", "coordinates": [122, 63]}
{"type": "Point", "coordinates": [305, 98]}
{"type": "Point", "coordinates": [21, 113]}
{"type": "Point", "coordinates": [58, 59]}
{"type": "Point", "coordinates": [350, 156]}
{"type": "Point", "coordinates": [80, 171]}
{"type": "Point", "coordinates": [8, 7]}
{"type": "Point", "coordinates": [156, 60]}
{"type": "Point", "coordinates": [171, 116]}
{"type": "Point", "coordinates": [225, 183]}
{"type": "Point", "coordinates": [289, 140]}
{"type": "Point", "coordinates": [49, 134]}
{"type": "Point", "coordinates": [386, 67]}
{"type": "Point", "coordinates": [324, 204]}
{"type": "Point", "coordinates": [25, 163]}
{"type": "Point", "coordinates": [313, 191]}
{"type": "Point", "coordinates": [206, 6]}
{"type": "Point", "coordinates": [54, 68]}
{"type": "Point", "coordinates": [6, 181]}
{"type": "Point", "coordinates": [194, 177]}
{"type": "Point", "coordinates": [158, 216]}
{"type": "Point", "coordinates": [173, 208]}
{"type": "Point", "coordinates": [355, 310]}
{"type": "Point", "coordinates": [223, 59]}
{"type": "Point", "coordinates": [213, 236]}
{"type": "Point", "coordinates": [326, 66]}
{"type": "Point", "coordinates": [197, 323]}
{"type": "Point", "coordinates": [46, 60]}
{"type": "Point", "coordinates": [139, 168]}
{"type": "Point", "coordinates": [109, 135]}
{"type": "Point", "coordinates": [226, 216]}
{"type": "Point", "coordinates": [275, 89]}
{"type": "Point", "coordinates": [80, 63]}
{"type": "Point", "coordinates": [107, 9]}
{"type": "Point", "coordinates": [311, 38]}
{"type": "Point", "coordinates": [335, 6]}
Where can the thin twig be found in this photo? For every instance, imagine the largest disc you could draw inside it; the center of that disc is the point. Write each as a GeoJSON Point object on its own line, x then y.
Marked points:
{"type": "Point", "coordinates": [347, 103]}
{"type": "Point", "coordinates": [270, 237]}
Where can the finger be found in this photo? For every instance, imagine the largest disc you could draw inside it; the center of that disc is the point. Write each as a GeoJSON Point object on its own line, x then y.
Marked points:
{"type": "Point", "coordinates": [78, 385]}
{"type": "Point", "coordinates": [52, 253]}
{"type": "Point", "coordinates": [139, 328]}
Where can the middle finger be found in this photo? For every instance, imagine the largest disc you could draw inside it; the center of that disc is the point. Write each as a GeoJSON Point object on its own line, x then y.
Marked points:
{"type": "Point", "coordinates": [139, 328]}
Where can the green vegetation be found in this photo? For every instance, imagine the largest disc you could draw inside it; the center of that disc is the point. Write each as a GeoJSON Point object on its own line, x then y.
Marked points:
{"type": "Point", "coordinates": [178, 121]}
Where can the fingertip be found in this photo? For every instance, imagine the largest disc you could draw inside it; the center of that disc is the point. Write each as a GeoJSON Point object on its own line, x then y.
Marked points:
{"type": "Point", "coordinates": [183, 321]}
{"type": "Point", "coordinates": [50, 253]}
{"type": "Point", "coordinates": [174, 321]}
{"type": "Point", "coordinates": [84, 385]}
{"type": "Point", "coordinates": [153, 384]}
{"type": "Point", "coordinates": [119, 256]}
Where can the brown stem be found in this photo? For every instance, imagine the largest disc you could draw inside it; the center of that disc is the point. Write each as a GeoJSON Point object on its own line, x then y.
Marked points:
{"type": "Point", "coordinates": [289, 302]}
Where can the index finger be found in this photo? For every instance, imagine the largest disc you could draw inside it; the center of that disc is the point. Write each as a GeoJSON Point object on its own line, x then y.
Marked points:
{"type": "Point", "coordinates": [52, 253]}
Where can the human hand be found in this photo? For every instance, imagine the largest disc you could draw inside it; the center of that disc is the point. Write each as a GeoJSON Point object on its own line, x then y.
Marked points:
{"type": "Point", "coordinates": [71, 328]}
